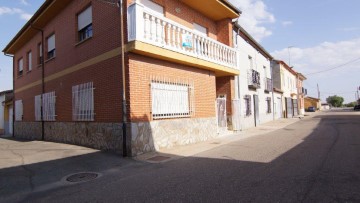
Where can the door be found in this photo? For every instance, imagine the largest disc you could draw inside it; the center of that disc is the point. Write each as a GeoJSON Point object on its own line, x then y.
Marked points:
{"type": "Point", "coordinates": [221, 114]}
{"type": "Point", "coordinates": [10, 120]}
{"type": "Point", "coordinates": [295, 107]}
{"type": "Point", "coordinates": [289, 108]}
{"type": "Point", "coordinates": [279, 108]}
{"type": "Point", "coordinates": [256, 110]}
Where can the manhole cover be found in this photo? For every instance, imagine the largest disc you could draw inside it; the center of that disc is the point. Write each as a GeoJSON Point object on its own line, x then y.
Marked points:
{"type": "Point", "coordinates": [82, 177]}
{"type": "Point", "coordinates": [158, 158]}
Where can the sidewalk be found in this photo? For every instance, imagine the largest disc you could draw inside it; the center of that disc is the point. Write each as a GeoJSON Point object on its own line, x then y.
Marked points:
{"type": "Point", "coordinates": [189, 150]}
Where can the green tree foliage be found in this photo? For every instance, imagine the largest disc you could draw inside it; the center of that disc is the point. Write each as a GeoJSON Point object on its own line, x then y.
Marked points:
{"type": "Point", "coordinates": [335, 101]}
{"type": "Point", "coordinates": [351, 104]}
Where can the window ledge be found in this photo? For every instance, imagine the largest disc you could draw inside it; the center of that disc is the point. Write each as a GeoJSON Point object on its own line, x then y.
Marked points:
{"type": "Point", "coordinates": [50, 59]}
{"type": "Point", "coordinates": [83, 41]}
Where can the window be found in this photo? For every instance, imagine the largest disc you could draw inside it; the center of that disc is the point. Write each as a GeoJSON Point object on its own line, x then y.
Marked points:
{"type": "Point", "coordinates": [48, 106]}
{"type": "Point", "coordinates": [20, 66]}
{"type": "Point", "coordinates": [51, 47]}
{"type": "Point", "coordinates": [83, 102]}
{"type": "Point", "coordinates": [268, 104]}
{"type": "Point", "coordinates": [153, 7]}
{"type": "Point", "coordinates": [247, 99]}
{"type": "Point", "coordinates": [85, 24]}
{"type": "Point", "coordinates": [172, 99]}
{"type": "Point", "coordinates": [265, 72]}
{"type": "Point", "coordinates": [251, 62]}
{"type": "Point", "coordinates": [200, 29]}
{"type": "Point", "coordinates": [29, 56]}
{"type": "Point", "coordinates": [40, 59]}
{"type": "Point", "coordinates": [18, 110]}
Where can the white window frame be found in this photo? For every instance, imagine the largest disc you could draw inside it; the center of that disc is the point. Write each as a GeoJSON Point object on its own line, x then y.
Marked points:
{"type": "Point", "coordinates": [48, 106]}
{"type": "Point", "coordinates": [21, 66]}
{"type": "Point", "coordinates": [51, 46]}
{"type": "Point", "coordinates": [83, 102]}
{"type": "Point", "coordinates": [85, 24]}
{"type": "Point", "coordinates": [29, 58]}
{"type": "Point", "coordinates": [172, 98]}
{"type": "Point", "coordinates": [19, 110]}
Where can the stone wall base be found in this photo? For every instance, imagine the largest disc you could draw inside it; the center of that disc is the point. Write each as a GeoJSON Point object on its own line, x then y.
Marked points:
{"type": "Point", "coordinates": [155, 135]}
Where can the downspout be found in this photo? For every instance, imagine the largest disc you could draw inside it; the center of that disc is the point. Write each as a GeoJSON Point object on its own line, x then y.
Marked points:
{"type": "Point", "coordinates": [13, 101]}
{"type": "Point", "coordinates": [42, 81]}
{"type": "Point", "coordinates": [124, 109]}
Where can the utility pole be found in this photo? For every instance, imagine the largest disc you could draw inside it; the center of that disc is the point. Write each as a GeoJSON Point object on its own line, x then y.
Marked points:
{"type": "Point", "coordinates": [318, 91]}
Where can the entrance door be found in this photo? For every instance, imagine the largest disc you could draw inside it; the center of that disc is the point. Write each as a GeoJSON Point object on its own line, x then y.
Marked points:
{"type": "Point", "coordinates": [256, 110]}
{"type": "Point", "coordinates": [10, 120]}
{"type": "Point", "coordinates": [289, 108]}
{"type": "Point", "coordinates": [221, 114]}
{"type": "Point", "coordinates": [295, 105]}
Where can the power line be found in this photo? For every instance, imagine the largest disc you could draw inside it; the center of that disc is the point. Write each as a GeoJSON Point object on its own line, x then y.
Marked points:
{"type": "Point", "coordinates": [336, 67]}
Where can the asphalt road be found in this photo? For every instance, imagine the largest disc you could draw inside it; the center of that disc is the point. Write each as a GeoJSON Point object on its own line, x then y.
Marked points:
{"type": "Point", "coordinates": [314, 160]}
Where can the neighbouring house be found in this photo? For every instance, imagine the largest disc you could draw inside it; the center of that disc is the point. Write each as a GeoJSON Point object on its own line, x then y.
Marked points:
{"type": "Point", "coordinates": [253, 89]}
{"type": "Point", "coordinates": [75, 83]}
{"type": "Point", "coordinates": [311, 101]}
{"type": "Point", "coordinates": [325, 106]}
{"type": "Point", "coordinates": [285, 82]}
{"type": "Point", "coordinates": [6, 112]}
{"type": "Point", "coordinates": [301, 92]}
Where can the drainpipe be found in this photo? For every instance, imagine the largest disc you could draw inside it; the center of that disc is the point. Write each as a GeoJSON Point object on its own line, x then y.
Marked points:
{"type": "Point", "coordinates": [13, 102]}
{"type": "Point", "coordinates": [42, 80]}
{"type": "Point", "coordinates": [124, 109]}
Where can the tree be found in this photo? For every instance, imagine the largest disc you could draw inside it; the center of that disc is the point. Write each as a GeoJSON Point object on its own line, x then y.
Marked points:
{"type": "Point", "coordinates": [351, 104]}
{"type": "Point", "coordinates": [335, 101]}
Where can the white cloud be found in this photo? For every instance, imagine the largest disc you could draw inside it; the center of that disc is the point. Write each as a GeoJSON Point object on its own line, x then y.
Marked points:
{"type": "Point", "coordinates": [325, 56]}
{"type": "Point", "coordinates": [24, 2]}
{"type": "Point", "coordinates": [15, 11]}
{"type": "Point", "coordinates": [287, 23]}
{"type": "Point", "coordinates": [254, 16]}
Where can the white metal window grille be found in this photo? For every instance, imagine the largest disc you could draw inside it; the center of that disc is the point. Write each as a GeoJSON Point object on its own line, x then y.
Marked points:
{"type": "Point", "coordinates": [172, 98]}
{"type": "Point", "coordinates": [48, 104]}
{"type": "Point", "coordinates": [268, 103]}
{"type": "Point", "coordinates": [247, 99]}
{"type": "Point", "coordinates": [18, 110]}
{"type": "Point", "coordinates": [83, 102]}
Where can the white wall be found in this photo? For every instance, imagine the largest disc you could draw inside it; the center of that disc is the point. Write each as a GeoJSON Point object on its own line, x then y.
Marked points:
{"type": "Point", "coordinates": [2, 98]}
{"type": "Point", "coordinates": [241, 82]}
{"type": "Point", "coordinates": [288, 84]}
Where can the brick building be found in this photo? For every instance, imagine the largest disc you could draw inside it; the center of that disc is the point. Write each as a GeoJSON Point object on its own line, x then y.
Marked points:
{"type": "Point", "coordinates": [70, 85]}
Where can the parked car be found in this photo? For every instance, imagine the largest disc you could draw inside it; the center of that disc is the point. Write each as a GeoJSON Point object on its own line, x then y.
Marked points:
{"type": "Point", "coordinates": [311, 109]}
{"type": "Point", "coordinates": [357, 108]}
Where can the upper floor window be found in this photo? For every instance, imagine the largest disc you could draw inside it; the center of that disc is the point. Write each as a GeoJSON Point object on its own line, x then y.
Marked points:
{"type": "Point", "coordinates": [85, 24]}
{"type": "Point", "coordinates": [251, 62]}
{"type": "Point", "coordinates": [265, 72]}
{"type": "Point", "coordinates": [153, 7]}
{"type": "Point", "coordinates": [29, 60]}
{"type": "Point", "coordinates": [20, 66]}
{"type": "Point", "coordinates": [200, 29]}
{"type": "Point", "coordinates": [51, 46]}
{"type": "Point", "coordinates": [40, 58]}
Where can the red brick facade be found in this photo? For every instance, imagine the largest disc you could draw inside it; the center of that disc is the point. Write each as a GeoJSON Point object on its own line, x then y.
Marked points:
{"type": "Point", "coordinates": [225, 86]}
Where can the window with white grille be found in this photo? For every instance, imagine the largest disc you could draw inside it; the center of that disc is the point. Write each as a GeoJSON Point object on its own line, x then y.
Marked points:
{"type": "Point", "coordinates": [247, 99]}
{"type": "Point", "coordinates": [172, 99]}
{"type": "Point", "coordinates": [83, 102]}
{"type": "Point", "coordinates": [18, 110]}
{"type": "Point", "coordinates": [268, 104]}
{"type": "Point", "coordinates": [48, 106]}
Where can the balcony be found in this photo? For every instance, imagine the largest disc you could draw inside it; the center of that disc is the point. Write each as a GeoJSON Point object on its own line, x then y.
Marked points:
{"type": "Point", "coordinates": [268, 85]}
{"type": "Point", "coordinates": [253, 79]}
{"type": "Point", "coordinates": [156, 36]}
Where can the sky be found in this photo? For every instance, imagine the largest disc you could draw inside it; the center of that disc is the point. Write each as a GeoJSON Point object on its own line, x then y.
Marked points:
{"type": "Point", "coordinates": [309, 35]}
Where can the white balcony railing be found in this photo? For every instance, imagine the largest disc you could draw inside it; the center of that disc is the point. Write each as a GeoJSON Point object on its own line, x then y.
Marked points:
{"type": "Point", "coordinates": [159, 31]}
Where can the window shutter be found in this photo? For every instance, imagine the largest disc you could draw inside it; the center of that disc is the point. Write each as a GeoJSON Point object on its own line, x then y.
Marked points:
{"type": "Point", "coordinates": [21, 65]}
{"type": "Point", "coordinates": [30, 60]}
{"type": "Point", "coordinates": [40, 50]}
{"type": "Point", "coordinates": [85, 18]}
{"type": "Point", "coordinates": [51, 42]}
{"type": "Point", "coordinates": [153, 7]}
